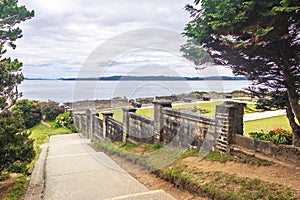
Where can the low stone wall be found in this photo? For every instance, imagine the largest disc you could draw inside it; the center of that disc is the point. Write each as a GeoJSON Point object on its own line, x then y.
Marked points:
{"type": "Point", "coordinates": [141, 128]}
{"type": "Point", "coordinates": [183, 128]}
{"type": "Point", "coordinates": [282, 152]}
{"type": "Point", "coordinates": [114, 130]}
{"type": "Point", "coordinates": [98, 128]}
{"type": "Point", "coordinates": [170, 127]}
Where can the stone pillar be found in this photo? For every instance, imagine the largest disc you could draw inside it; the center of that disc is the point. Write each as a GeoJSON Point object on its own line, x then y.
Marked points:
{"type": "Point", "coordinates": [229, 121]}
{"type": "Point", "coordinates": [237, 116]}
{"type": "Point", "coordinates": [158, 118]}
{"type": "Point", "coordinates": [126, 127]}
{"type": "Point", "coordinates": [88, 114]}
{"type": "Point", "coordinates": [79, 123]}
{"type": "Point", "coordinates": [93, 121]}
{"type": "Point", "coordinates": [105, 117]}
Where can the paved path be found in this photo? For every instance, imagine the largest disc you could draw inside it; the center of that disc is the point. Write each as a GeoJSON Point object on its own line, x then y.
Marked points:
{"type": "Point", "coordinates": [75, 171]}
{"type": "Point", "coordinates": [262, 115]}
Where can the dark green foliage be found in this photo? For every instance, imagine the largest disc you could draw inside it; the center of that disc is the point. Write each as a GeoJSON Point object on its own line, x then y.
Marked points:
{"type": "Point", "coordinates": [65, 120]}
{"type": "Point", "coordinates": [9, 80]}
{"type": "Point", "coordinates": [11, 14]}
{"type": "Point", "coordinates": [16, 148]}
{"type": "Point", "coordinates": [30, 111]}
{"type": "Point", "coordinates": [51, 109]}
{"type": "Point", "coordinates": [271, 99]}
{"type": "Point", "coordinates": [277, 136]}
{"type": "Point", "coordinates": [257, 39]}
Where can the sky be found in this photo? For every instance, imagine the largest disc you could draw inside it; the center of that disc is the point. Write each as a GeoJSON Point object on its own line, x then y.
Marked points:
{"type": "Point", "coordinates": [65, 37]}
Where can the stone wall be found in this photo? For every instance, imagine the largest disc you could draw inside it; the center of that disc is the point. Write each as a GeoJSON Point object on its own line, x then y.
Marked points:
{"type": "Point", "coordinates": [177, 128]}
{"type": "Point", "coordinates": [141, 128]}
{"type": "Point", "coordinates": [282, 152]}
{"type": "Point", "coordinates": [182, 128]}
{"type": "Point", "coordinates": [98, 128]}
{"type": "Point", "coordinates": [114, 130]}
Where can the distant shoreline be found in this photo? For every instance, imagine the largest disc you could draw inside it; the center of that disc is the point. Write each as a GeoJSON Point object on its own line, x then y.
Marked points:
{"type": "Point", "coordinates": [148, 78]}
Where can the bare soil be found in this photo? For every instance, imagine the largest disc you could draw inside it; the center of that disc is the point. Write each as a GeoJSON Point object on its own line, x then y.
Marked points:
{"type": "Point", "coordinates": [6, 185]}
{"type": "Point", "coordinates": [153, 182]}
{"type": "Point", "coordinates": [286, 174]}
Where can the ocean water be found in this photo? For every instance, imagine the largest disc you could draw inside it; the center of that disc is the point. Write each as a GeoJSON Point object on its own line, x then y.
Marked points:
{"type": "Point", "coordinates": [69, 91]}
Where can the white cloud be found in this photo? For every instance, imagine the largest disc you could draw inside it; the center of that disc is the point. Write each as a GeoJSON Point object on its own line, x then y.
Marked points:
{"type": "Point", "coordinates": [63, 33]}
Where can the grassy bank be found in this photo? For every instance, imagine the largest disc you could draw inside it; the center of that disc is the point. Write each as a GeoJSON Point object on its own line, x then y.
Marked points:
{"type": "Point", "coordinates": [212, 184]}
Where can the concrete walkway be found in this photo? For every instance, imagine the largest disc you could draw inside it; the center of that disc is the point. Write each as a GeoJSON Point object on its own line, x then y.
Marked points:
{"type": "Point", "coordinates": [75, 171]}
{"type": "Point", "coordinates": [262, 115]}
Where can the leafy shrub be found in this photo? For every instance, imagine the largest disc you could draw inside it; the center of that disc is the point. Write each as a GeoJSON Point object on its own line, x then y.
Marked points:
{"type": "Point", "coordinates": [277, 136]}
{"type": "Point", "coordinates": [72, 128]}
{"type": "Point", "coordinates": [51, 109]}
{"type": "Point", "coordinates": [30, 112]}
{"type": "Point", "coordinates": [63, 120]}
{"type": "Point", "coordinates": [16, 147]}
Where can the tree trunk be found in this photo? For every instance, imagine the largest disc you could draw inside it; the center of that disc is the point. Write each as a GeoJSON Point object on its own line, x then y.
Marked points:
{"type": "Point", "coordinates": [295, 127]}
{"type": "Point", "coordinates": [293, 96]}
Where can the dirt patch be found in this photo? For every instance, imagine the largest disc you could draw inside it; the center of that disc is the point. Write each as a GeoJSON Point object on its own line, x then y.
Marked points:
{"type": "Point", "coordinates": [153, 182]}
{"type": "Point", "coordinates": [218, 179]}
{"type": "Point", "coordinates": [6, 185]}
{"type": "Point", "coordinates": [287, 175]}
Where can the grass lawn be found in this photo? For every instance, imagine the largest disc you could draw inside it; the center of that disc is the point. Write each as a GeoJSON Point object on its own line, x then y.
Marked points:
{"type": "Point", "coordinates": [209, 106]}
{"type": "Point", "coordinates": [41, 132]}
{"type": "Point", "coordinates": [266, 124]}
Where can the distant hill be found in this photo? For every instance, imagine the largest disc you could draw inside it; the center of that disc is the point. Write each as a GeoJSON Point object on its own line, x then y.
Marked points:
{"type": "Point", "coordinates": [147, 78]}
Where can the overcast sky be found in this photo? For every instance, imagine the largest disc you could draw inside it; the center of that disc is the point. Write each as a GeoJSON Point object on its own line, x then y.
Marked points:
{"type": "Point", "coordinates": [63, 33]}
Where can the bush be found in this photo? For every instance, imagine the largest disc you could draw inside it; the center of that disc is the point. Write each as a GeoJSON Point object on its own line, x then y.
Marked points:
{"type": "Point", "coordinates": [63, 120]}
{"type": "Point", "coordinates": [51, 109]}
{"type": "Point", "coordinates": [277, 136]}
{"type": "Point", "coordinates": [30, 112]}
{"type": "Point", "coordinates": [16, 147]}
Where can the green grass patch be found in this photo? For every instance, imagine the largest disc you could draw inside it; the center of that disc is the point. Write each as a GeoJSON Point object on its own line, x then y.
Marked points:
{"type": "Point", "coordinates": [209, 106]}
{"type": "Point", "coordinates": [251, 108]}
{"type": "Point", "coordinates": [148, 112]}
{"type": "Point", "coordinates": [41, 132]}
{"type": "Point", "coordinates": [266, 124]}
{"type": "Point", "coordinates": [154, 156]}
{"type": "Point", "coordinates": [214, 156]}
{"type": "Point", "coordinates": [19, 188]}
{"type": "Point", "coordinates": [152, 147]}
{"type": "Point", "coordinates": [190, 153]}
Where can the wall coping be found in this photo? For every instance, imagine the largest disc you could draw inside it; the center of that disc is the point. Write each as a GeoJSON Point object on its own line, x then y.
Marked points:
{"type": "Point", "coordinates": [189, 115]}
{"type": "Point", "coordinates": [162, 103]}
{"type": "Point", "coordinates": [141, 117]}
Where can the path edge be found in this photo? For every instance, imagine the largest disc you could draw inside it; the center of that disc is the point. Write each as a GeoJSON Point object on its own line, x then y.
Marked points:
{"type": "Point", "coordinates": [36, 186]}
